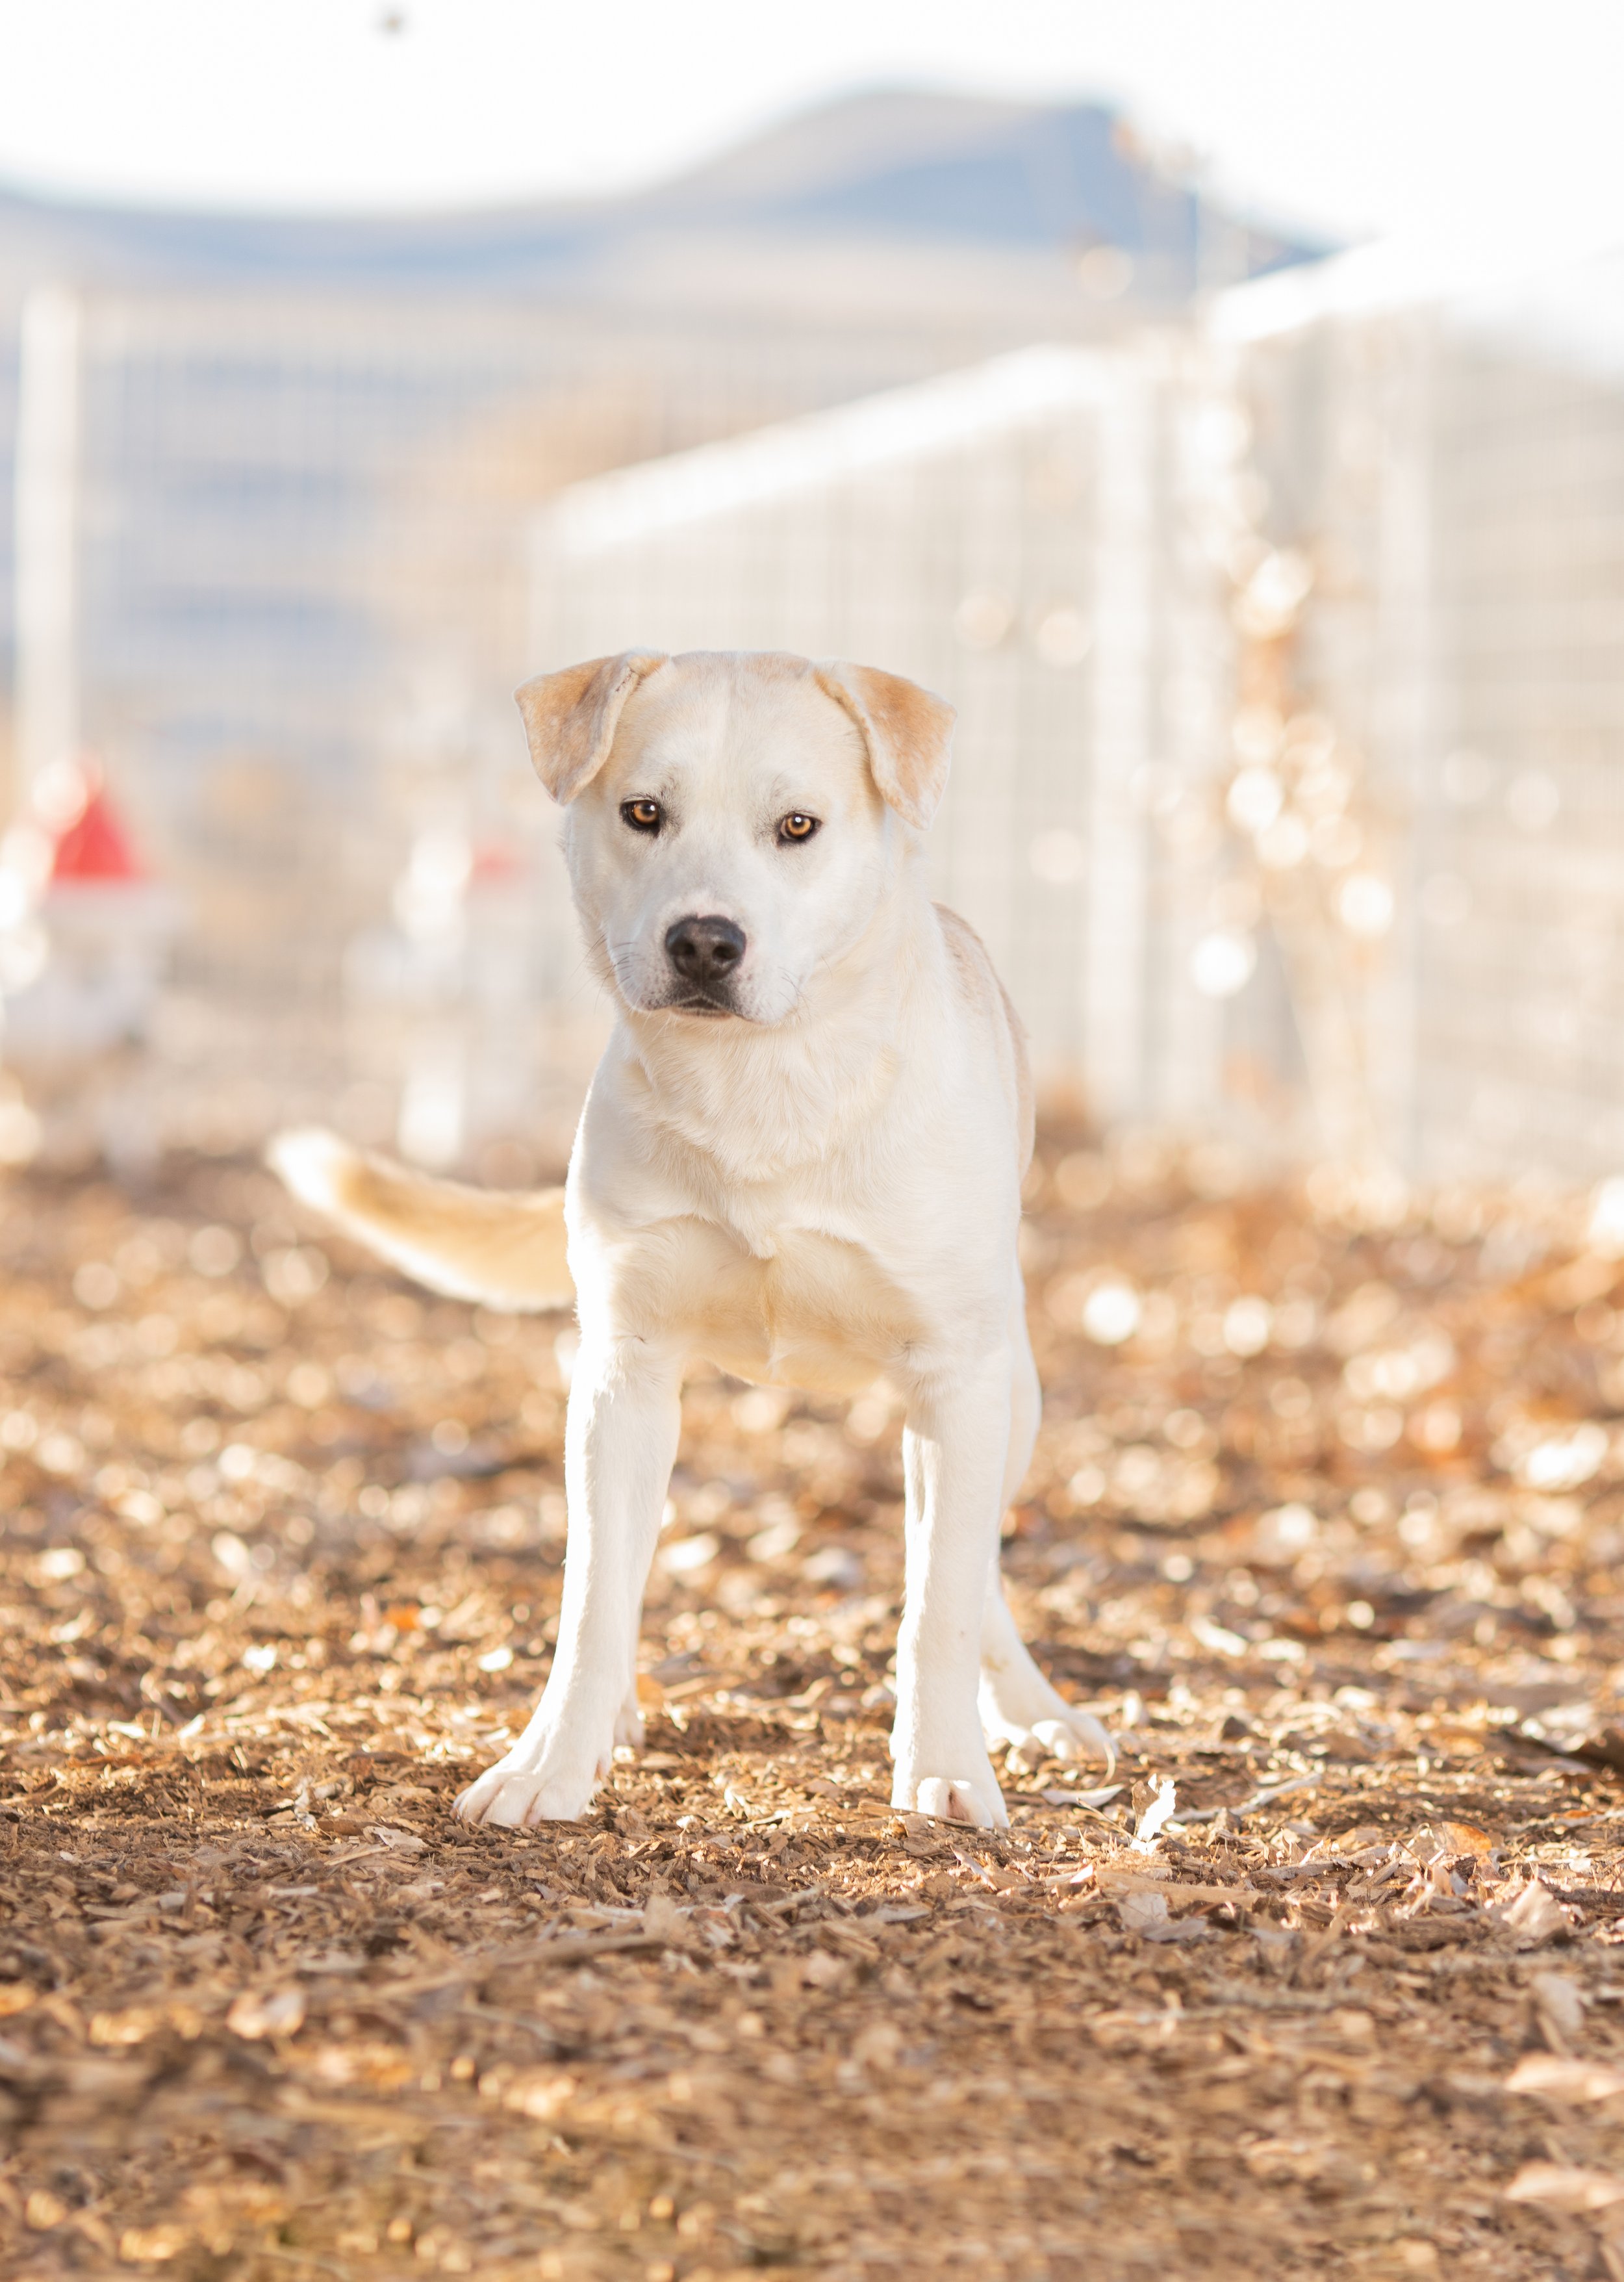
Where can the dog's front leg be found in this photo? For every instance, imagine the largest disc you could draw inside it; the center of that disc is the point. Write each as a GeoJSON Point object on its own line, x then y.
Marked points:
{"type": "Point", "coordinates": [620, 1445]}
{"type": "Point", "coordinates": [954, 1452]}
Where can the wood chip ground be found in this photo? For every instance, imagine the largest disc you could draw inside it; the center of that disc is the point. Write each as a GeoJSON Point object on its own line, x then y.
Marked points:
{"type": "Point", "coordinates": [1325, 1523]}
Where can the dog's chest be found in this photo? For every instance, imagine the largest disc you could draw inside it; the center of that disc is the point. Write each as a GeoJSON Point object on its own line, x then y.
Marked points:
{"type": "Point", "coordinates": [817, 1312]}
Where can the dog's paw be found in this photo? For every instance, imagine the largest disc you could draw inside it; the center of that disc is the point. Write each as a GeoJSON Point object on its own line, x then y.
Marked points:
{"type": "Point", "coordinates": [1078, 1736]}
{"type": "Point", "coordinates": [516, 1794]}
{"type": "Point", "coordinates": [975, 1799]}
{"type": "Point", "coordinates": [1036, 1722]}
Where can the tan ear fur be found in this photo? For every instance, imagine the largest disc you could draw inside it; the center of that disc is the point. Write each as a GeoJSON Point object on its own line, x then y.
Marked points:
{"type": "Point", "coordinates": [570, 717]}
{"type": "Point", "coordinates": [909, 733]}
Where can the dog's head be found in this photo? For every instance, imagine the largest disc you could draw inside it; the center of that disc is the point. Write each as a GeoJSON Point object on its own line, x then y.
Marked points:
{"type": "Point", "coordinates": [734, 818]}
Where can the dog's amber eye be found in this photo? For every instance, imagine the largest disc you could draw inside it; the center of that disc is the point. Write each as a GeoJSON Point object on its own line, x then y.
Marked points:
{"type": "Point", "coordinates": [797, 826]}
{"type": "Point", "coordinates": [643, 815]}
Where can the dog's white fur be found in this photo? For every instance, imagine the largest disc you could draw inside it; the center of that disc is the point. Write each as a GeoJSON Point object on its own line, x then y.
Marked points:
{"type": "Point", "coordinates": [814, 1183]}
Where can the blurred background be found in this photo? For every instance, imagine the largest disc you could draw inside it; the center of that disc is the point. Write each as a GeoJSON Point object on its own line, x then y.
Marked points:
{"type": "Point", "coordinates": [1223, 408]}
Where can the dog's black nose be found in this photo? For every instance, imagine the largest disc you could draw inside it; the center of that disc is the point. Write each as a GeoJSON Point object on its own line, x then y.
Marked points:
{"type": "Point", "coordinates": [704, 951]}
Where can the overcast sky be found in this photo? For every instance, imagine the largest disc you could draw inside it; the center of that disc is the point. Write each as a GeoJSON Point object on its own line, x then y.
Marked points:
{"type": "Point", "coordinates": [1360, 115]}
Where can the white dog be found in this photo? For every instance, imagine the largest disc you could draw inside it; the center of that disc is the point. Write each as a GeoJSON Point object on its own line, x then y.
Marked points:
{"type": "Point", "coordinates": [801, 1160]}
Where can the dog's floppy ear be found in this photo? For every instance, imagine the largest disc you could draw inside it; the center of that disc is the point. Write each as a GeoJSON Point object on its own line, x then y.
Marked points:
{"type": "Point", "coordinates": [570, 717]}
{"type": "Point", "coordinates": [909, 733]}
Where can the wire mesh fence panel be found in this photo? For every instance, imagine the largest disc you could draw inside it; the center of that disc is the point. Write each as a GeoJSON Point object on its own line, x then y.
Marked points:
{"type": "Point", "coordinates": [280, 563]}
{"type": "Point", "coordinates": [1455, 464]}
{"type": "Point", "coordinates": [290, 626]}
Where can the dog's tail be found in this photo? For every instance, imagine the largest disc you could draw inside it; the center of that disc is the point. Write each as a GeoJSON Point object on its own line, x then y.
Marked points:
{"type": "Point", "coordinates": [503, 1251]}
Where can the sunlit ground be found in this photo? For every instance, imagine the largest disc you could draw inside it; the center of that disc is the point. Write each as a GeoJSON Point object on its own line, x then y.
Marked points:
{"type": "Point", "coordinates": [1324, 1522]}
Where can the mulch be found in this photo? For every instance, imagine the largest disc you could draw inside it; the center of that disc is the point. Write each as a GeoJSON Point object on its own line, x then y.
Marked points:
{"type": "Point", "coordinates": [1325, 1524]}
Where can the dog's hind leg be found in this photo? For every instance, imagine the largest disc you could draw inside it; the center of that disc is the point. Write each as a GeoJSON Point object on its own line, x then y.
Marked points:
{"type": "Point", "coordinates": [1018, 1705]}
{"type": "Point", "coordinates": [1026, 1403]}
{"type": "Point", "coordinates": [629, 1719]}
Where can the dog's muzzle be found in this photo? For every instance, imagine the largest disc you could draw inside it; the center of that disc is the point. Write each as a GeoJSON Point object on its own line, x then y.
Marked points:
{"type": "Point", "coordinates": [705, 954]}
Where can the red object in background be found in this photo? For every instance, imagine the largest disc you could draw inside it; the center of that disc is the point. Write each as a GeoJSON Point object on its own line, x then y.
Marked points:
{"type": "Point", "coordinates": [491, 864]}
{"type": "Point", "coordinates": [95, 847]}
